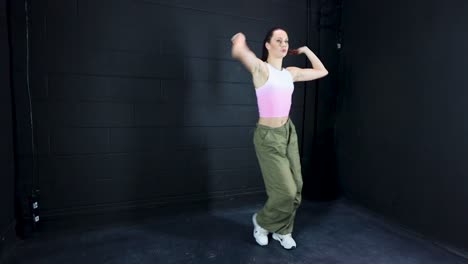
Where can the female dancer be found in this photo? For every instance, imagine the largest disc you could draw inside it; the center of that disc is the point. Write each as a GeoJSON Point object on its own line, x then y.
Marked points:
{"type": "Point", "coordinates": [275, 136]}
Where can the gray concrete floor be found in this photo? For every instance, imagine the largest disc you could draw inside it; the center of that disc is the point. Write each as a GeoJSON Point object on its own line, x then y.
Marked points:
{"type": "Point", "coordinates": [326, 232]}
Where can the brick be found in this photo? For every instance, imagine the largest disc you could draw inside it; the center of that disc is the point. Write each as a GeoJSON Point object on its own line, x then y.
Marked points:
{"type": "Point", "coordinates": [114, 63]}
{"type": "Point", "coordinates": [208, 92]}
{"type": "Point", "coordinates": [135, 89]}
{"type": "Point", "coordinates": [70, 141]}
{"type": "Point", "coordinates": [216, 70]}
{"type": "Point", "coordinates": [135, 139]}
{"type": "Point", "coordinates": [207, 137]}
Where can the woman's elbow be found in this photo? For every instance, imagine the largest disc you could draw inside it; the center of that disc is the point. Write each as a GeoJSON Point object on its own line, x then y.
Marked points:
{"type": "Point", "coordinates": [324, 72]}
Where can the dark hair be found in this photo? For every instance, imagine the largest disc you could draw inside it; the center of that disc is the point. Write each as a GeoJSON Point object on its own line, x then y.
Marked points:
{"type": "Point", "coordinates": [267, 39]}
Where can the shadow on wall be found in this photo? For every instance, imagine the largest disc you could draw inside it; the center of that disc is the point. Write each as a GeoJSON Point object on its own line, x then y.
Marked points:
{"type": "Point", "coordinates": [178, 167]}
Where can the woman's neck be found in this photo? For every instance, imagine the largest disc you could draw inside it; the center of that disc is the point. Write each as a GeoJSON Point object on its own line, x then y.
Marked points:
{"type": "Point", "coordinates": [276, 63]}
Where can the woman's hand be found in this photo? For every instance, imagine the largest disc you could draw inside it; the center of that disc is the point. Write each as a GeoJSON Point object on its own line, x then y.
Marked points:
{"type": "Point", "coordinates": [317, 70]}
{"type": "Point", "coordinates": [239, 37]}
{"type": "Point", "coordinates": [301, 50]}
{"type": "Point", "coordinates": [240, 51]}
{"type": "Point", "coordinates": [239, 45]}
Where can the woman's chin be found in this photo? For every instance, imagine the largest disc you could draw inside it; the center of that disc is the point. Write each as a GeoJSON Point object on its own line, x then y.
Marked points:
{"type": "Point", "coordinates": [282, 55]}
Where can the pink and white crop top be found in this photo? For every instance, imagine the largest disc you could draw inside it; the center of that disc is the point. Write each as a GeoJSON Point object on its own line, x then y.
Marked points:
{"type": "Point", "coordinates": [274, 97]}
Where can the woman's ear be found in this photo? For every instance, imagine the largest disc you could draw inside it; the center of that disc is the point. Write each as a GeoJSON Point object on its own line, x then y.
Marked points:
{"type": "Point", "coordinates": [267, 46]}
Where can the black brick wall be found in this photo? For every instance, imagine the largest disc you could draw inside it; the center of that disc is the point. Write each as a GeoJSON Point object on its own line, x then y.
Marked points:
{"type": "Point", "coordinates": [138, 101]}
{"type": "Point", "coordinates": [7, 218]}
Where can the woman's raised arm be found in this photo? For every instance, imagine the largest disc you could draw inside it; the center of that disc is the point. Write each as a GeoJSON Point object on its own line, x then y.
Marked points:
{"type": "Point", "coordinates": [240, 51]}
{"type": "Point", "coordinates": [318, 70]}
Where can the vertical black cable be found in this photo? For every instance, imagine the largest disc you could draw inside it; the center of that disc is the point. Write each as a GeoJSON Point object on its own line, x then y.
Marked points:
{"type": "Point", "coordinates": [10, 61]}
{"type": "Point", "coordinates": [28, 88]}
{"type": "Point", "coordinates": [317, 83]}
{"type": "Point", "coordinates": [305, 83]}
{"type": "Point", "coordinates": [339, 80]}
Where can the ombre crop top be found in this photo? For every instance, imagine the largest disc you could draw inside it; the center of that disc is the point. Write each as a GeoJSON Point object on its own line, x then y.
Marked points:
{"type": "Point", "coordinates": [274, 97]}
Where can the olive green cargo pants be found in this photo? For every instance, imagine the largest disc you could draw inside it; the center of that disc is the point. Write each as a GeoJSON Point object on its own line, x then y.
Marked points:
{"type": "Point", "coordinates": [278, 155]}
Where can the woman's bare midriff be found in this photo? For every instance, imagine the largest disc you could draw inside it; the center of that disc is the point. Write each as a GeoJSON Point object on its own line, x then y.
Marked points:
{"type": "Point", "coordinates": [273, 121]}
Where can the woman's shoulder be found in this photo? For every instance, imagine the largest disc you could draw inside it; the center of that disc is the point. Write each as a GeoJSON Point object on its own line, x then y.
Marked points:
{"type": "Point", "coordinates": [263, 69]}
{"type": "Point", "coordinates": [293, 71]}
{"type": "Point", "coordinates": [262, 76]}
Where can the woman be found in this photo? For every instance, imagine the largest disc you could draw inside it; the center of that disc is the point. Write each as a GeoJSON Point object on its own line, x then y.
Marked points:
{"type": "Point", "coordinates": [275, 136]}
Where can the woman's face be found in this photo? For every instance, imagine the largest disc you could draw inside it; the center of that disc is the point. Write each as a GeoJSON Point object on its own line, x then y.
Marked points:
{"type": "Point", "coordinates": [278, 45]}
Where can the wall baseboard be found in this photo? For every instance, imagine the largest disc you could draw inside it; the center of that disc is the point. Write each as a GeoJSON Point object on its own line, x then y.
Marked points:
{"type": "Point", "coordinates": [99, 214]}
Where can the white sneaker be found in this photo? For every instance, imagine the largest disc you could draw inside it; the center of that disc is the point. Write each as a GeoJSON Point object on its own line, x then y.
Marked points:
{"type": "Point", "coordinates": [286, 240]}
{"type": "Point", "coordinates": [260, 234]}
